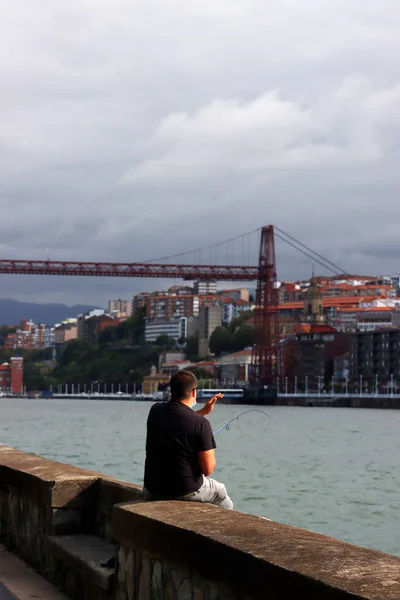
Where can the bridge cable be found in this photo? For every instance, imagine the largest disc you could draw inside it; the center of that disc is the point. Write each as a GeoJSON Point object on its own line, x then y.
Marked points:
{"type": "Point", "coordinates": [202, 248]}
{"type": "Point", "coordinates": [323, 264]}
{"type": "Point", "coordinates": [340, 271]}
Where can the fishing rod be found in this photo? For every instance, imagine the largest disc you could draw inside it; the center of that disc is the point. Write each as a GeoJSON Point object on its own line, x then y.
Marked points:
{"type": "Point", "coordinates": [226, 426]}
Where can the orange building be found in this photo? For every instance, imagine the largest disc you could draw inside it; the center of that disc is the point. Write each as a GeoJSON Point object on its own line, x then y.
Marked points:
{"type": "Point", "coordinates": [12, 376]}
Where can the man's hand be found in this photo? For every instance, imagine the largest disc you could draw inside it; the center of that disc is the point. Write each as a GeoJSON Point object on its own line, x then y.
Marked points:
{"type": "Point", "coordinates": [209, 405]}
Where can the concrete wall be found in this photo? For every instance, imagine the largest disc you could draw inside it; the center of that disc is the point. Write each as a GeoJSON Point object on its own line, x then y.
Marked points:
{"type": "Point", "coordinates": [174, 550]}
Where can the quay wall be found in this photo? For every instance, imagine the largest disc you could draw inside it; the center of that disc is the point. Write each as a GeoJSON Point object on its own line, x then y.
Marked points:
{"type": "Point", "coordinates": [340, 401]}
{"type": "Point", "coordinates": [170, 550]}
{"type": "Point", "coordinates": [350, 401]}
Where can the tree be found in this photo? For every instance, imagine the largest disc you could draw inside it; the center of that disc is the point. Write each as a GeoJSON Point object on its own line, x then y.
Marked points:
{"type": "Point", "coordinates": [121, 331]}
{"type": "Point", "coordinates": [135, 326]}
{"type": "Point", "coordinates": [76, 351]}
{"type": "Point", "coordinates": [201, 373]}
{"type": "Point", "coordinates": [243, 338]}
{"type": "Point", "coordinates": [106, 336]}
{"type": "Point", "coordinates": [129, 332]}
{"type": "Point", "coordinates": [240, 319]}
{"type": "Point", "coordinates": [220, 341]}
{"type": "Point", "coordinates": [192, 347]}
{"type": "Point", "coordinates": [33, 378]}
{"type": "Point", "coordinates": [6, 329]}
{"type": "Point", "coordinates": [36, 354]}
{"type": "Point", "coordinates": [166, 342]}
{"type": "Point", "coordinates": [5, 354]}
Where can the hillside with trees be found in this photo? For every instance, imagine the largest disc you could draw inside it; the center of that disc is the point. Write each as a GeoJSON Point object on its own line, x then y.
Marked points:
{"type": "Point", "coordinates": [122, 356]}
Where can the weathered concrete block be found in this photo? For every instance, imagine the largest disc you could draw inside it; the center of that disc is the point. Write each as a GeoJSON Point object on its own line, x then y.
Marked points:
{"type": "Point", "coordinates": [172, 550]}
{"type": "Point", "coordinates": [207, 551]}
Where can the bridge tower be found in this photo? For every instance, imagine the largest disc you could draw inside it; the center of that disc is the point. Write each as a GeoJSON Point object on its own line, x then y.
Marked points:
{"type": "Point", "coordinates": [266, 318]}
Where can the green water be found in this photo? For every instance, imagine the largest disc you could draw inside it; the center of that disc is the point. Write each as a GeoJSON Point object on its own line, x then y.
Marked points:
{"type": "Point", "coordinates": [336, 471]}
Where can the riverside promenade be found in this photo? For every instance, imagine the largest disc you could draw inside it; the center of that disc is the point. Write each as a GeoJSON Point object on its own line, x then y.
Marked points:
{"type": "Point", "coordinates": [18, 581]}
{"type": "Point", "coordinates": [95, 538]}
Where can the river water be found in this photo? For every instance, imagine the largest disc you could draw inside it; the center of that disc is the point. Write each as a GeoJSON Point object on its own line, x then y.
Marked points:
{"type": "Point", "coordinates": [331, 470]}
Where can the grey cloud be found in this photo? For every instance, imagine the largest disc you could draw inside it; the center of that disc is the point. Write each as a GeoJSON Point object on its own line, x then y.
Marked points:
{"type": "Point", "coordinates": [354, 125]}
{"type": "Point", "coordinates": [132, 130]}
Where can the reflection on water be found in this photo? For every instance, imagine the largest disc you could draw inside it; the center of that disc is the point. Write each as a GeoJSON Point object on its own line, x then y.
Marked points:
{"type": "Point", "coordinates": [336, 471]}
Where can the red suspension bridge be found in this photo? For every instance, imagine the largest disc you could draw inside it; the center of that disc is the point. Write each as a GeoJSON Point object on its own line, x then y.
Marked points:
{"type": "Point", "coordinates": [109, 269]}
{"type": "Point", "coordinates": [266, 314]}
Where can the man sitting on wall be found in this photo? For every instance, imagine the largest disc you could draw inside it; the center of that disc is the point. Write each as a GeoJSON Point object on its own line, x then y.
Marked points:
{"type": "Point", "coordinates": [180, 448]}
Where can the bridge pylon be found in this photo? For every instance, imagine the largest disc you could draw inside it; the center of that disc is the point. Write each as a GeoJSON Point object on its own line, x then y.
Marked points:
{"type": "Point", "coordinates": [264, 367]}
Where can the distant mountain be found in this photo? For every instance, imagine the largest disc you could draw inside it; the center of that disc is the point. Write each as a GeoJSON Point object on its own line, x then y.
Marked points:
{"type": "Point", "coordinates": [12, 311]}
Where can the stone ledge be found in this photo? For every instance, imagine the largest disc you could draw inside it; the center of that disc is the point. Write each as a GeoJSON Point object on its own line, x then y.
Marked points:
{"type": "Point", "coordinates": [46, 479]}
{"type": "Point", "coordinates": [113, 492]}
{"type": "Point", "coordinates": [68, 486]}
{"type": "Point", "coordinates": [255, 558]}
{"type": "Point", "coordinates": [85, 554]}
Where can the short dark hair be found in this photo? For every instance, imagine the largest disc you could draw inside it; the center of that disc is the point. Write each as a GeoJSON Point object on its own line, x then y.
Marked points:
{"type": "Point", "coordinates": [182, 384]}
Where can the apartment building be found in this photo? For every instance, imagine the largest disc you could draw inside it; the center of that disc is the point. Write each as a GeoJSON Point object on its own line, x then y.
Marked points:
{"type": "Point", "coordinates": [173, 328]}
{"type": "Point", "coordinates": [236, 294]}
{"type": "Point", "coordinates": [366, 318]}
{"type": "Point", "coordinates": [232, 309]}
{"type": "Point", "coordinates": [308, 356]}
{"type": "Point", "coordinates": [94, 325]}
{"type": "Point", "coordinates": [164, 307]}
{"type": "Point", "coordinates": [396, 316]}
{"type": "Point", "coordinates": [120, 309]}
{"type": "Point", "coordinates": [30, 336]}
{"type": "Point", "coordinates": [375, 354]}
{"type": "Point", "coordinates": [204, 288]}
{"type": "Point", "coordinates": [139, 301]}
{"type": "Point", "coordinates": [65, 332]}
{"type": "Point", "coordinates": [366, 291]}
{"type": "Point", "coordinates": [289, 292]}
{"type": "Point", "coordinates": [82, 318]}
{"type": "Point", "coordinates": [180, 290]}
{"type": "Point", "coordinates": [344, 313]}
{"type": "Point", "coordinates": [210, 317]}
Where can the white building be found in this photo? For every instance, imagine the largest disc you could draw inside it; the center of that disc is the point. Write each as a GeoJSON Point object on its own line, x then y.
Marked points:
{"type": "Point", "coordinates": [364, 318]}
{"type": "Point", "coordinates": [120, 309]}
{"type": "Point", "coordinates": [203, 288]}
{"type": "Point", "coordinates": [231, 310]}
{"type": "Point", "coordinates": [235, 366]}
{"type": "Point", "coordinates": [173, 328]}
{"type": "Point", "coordinates": [48, 338]}
{"type": "Point", "coordinates": [236, 294]}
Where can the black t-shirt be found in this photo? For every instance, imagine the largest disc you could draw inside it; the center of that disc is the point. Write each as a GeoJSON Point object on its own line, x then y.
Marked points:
{"type": "Point", "coordinates": [175, 436]}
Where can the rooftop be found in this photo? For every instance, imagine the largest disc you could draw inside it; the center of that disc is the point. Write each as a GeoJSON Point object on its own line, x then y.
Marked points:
{"type": "Point", "coordinates": [334, 301]}
{"type": "Point", "coordinates": [366, 309]}
{"type": "Point", "coordinates": [239, 353]}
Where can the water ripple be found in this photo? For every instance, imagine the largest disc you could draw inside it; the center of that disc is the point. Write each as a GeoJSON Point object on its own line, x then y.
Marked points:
{"type": "Point", "coordinates": [332, 470]}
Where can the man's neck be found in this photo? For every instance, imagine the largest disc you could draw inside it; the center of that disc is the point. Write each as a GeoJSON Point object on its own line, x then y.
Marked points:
{"type": "Point", "coordinates": [187, 402]}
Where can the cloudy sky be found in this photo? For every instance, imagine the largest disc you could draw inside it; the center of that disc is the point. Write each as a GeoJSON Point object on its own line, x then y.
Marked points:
{"type": "Point", "coordinates": [133, 129]}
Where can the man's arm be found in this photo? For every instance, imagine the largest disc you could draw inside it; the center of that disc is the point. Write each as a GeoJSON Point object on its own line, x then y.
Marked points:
{"type": "Point", "coordinates": [209, 405]}
{"type": "Point", "coordinates": [207, 462]}
{"type": "Point", "coordinates": [206, 445]}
